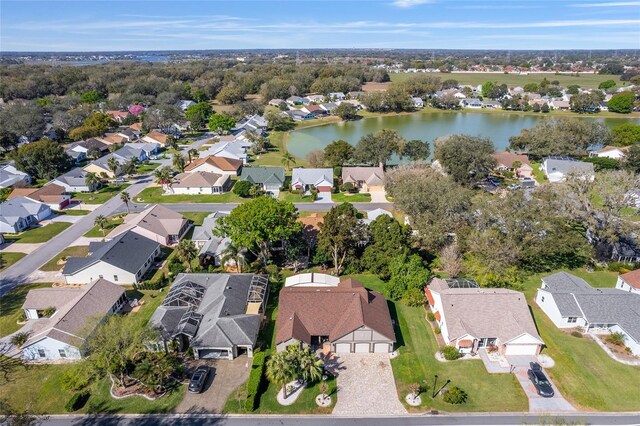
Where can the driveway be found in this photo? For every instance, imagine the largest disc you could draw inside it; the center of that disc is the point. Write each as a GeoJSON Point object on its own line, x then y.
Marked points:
{"type": "Point", "coordinates": [538, 404]}
{"type": "Point", "coordinates": [366, 386]}
{"type": "Point", "coordinates": [379, 197]}
{"type": "Point", "coordinates": [228, 376]}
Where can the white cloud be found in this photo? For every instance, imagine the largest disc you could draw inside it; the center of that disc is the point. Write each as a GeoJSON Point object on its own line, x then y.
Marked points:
{"type": "Point", "coordinates": [409, 3]}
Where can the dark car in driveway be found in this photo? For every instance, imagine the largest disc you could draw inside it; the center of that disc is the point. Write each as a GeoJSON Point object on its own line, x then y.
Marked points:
{"type": "Point", "coordinates": [198, 379]}
{"type": "Point", "coordinates": [540, 381]}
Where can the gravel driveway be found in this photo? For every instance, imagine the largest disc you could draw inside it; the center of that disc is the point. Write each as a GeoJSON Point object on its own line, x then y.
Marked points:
{"type": "Point", "coordinates": [366, 386]}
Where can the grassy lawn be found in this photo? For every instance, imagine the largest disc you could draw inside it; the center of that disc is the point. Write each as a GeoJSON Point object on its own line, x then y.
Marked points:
{"type": "Point", "coordinates": [146, 168]}
{"type": "Point", "coordinates": [342, 197]}
{"type": "Point", "coordinates": [75, 251]}
{"type": "Point", "coordinates": [40, 234]}
{"type": "Point", "coordinates": [583, 80]}
{"type": "Point", "coordinates": [10, 304]}
{"type": "Point", "coordinates": [8, 258]}
{"type": "Point", "coordinates": [155, 195]}
{"type": "Point", "coordinates": [417, 346]}
{"type": "Point", "coordinates": [584, 373]}
{"type": "Point", "coordinates": [538, 174]}
{"type": "Point", "coordinates": [96, 232]}
{"type": "Point", "coordinates": [295, 198]}
{"type": "Point", "coordinates": [103, 195]}
{"type": "Point", "coordinates": [73, 212]}
{"type": "Point", "coordinates": [274, 156]}
{"type": "Point", "coordinates": [196, 217]}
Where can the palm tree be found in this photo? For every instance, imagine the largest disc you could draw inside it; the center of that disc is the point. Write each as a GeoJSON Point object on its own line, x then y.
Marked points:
{"type": "Point", "coordinates": [163, 176]}
{"type": "Point", "coordinates": [288, 159]}
{"type": "Point", "coordinates": [125, 198]}
{"type": "Point", "coordinates": [101, 222]}
{"type": "Point", "coordinates": [113, 165]}
{"type": "Point", "coordinates": [193, 154]}
{"type": "Point", "coordinates": [279, 370]}
{"type": "Point", "coordinates": [92, 181]}
{"type": "Point", "coordinates": [309, 364]}
{"type": "Point", "coordinates": [179, 162]}
{"type": "Point", "coordinates": [187, 252]}
{"type": "Point", "coordinates": [129, 168]}
{"type": "Point", "coordinates": [233, 252]}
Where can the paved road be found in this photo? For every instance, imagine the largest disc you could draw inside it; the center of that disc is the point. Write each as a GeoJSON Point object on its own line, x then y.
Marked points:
{"type": "Point", "coordinates": [313, 207]}
{"type": "Point", "coordinates": [19, 272]}
{"type": "Point", "coordinates": [416, 420]}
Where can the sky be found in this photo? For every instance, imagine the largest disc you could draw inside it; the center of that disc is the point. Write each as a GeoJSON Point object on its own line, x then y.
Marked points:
{"type": "Point", "coordinates": [120, 25]}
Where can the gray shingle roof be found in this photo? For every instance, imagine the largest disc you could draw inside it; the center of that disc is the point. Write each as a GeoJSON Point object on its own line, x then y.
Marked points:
{"type": "Point", "coordinates": [74, 177]}
{"type": "Point", "coordinates": [204, 231]}
{"type": "Point", "coordinates": [568, 166]}
{"type": "Point", "coordinates": [128, 251]}
{"type": "Point", "coordinates": [19, 207]}
{"type": "Point", "coordinates": [263, 175]}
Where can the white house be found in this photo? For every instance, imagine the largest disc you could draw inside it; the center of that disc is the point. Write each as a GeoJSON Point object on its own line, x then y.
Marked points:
{"type": "Point", "coordinates": [212, 164]}
{"type": "Point", "coordinates": [615, 152]}
{"type": "Point", "coordinates": [629, 281]}
{"type": "Point", "coordinates": [19, 213]}
{"type": "Point", "coordinates": [304, 179]}
{"type": "Point", "coordinates": [235, 150]}
{"type": "Point", "coordinates": [10, 176]}
{"type": "Point", "coordinates": [73, 314]}
{"type": "Point", "coordinates": [471, 103]}
{"type": "Point", "coordinates": [570, 302]}
{"type": "Point", "coordinates": [417, 102]}
{"type": "Point", "coordinates": [195, 183]}
{"type": "Point", "coordinates": [473, 318]}
{"type": "Point", "coordinates": [556, 169]}
{"type": "Point", "coordinates": [123, 260]}
{"type": "Point", "coordinates": [336, 96]}
{"type": "Point", "coordinates": [75, 180]}
{"type": "Point", "coordinates": [270, 179]}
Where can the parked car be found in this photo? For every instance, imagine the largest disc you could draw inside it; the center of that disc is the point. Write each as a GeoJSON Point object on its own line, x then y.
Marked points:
{"type": "Point", "coordinates": [198, 379]}
{"type": "Point", "coordinates": [514, 186]}
{"type": "Point", "coordinates": [540, 381]}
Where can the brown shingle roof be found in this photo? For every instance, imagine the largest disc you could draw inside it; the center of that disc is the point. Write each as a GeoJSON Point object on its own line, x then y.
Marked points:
{"type": "Point", "coordinates": [51, 193]}
{"type": "Point", "coordinates": [632, 278]}
{"type": "Point", "coordinates": [331, 311]}
{"type": "Point", "coordinates": [198, 180]}
{"type": "Point", "coordinates": [223, 163]}
{"type": "Point", "coordinates": [157, 219]}
{"type": "Point", "coordinates": [506, 159]}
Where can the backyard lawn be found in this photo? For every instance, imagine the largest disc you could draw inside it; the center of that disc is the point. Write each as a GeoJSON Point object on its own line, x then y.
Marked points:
{"type": "Point", "coordinates": [10, 307]}
{"type": "Point", "coordinates": [537, 173]}
{"type": "Point", "coordinates": [8, 258]}
{"type": "Point", "coordinates": [155, 195]}
{"type": "Point", "coordinates": [75, 251]}
{"type": "Point", "coordinates": [342, 197]}
{"type": "Point", "coordinates": [103, 195]}
{"type": "Point", "coordinates": [113, 222]}
{"type": "Point", "coordinates": [40, 234]}
{"type": "Point", "coordinates": [274, 156]}
{"type": "Point", "coordinates": [416, 363]}
{"type": "Point", "coordinates": [584, 373]}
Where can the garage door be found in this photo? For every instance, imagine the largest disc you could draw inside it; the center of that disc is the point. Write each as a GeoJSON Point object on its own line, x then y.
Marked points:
{"type": "Point", "coordinates": [213, 353]}
{"type": "Point", "coordinates": [362, 347]}
{"type": "Point", "coordinates": [381, 348]}
{"type": "Point", "coordinates": [521, 350]}
{"type": "Point", "coordinates": [343, 347]}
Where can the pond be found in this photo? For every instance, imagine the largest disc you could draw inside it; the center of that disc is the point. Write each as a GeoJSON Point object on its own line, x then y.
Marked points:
{"type": "Point", "coordinates": [426, 125]}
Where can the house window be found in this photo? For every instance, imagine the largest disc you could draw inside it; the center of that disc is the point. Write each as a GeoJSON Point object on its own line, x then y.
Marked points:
{"type": "Point", "coordinates": [138, 274]}
{"type": "Point", "coordinates": [41, 353]}
{"type": "Point", "coordinates": [542, 299]}
{"type": "Point", "coordinates": [572, 320]}
{"type": "Point", "coordinates": [62, 353]}
{"type": "Point", "coordinates": [99, 276]}
{"type": "Point", "coordinates": [115, 278]}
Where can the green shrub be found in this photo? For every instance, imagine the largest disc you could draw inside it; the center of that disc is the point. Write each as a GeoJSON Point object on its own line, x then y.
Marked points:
{"type": "Point", "coordinates": [576, 333]}
{"type": "Point", "coordinates": [347, 187]}
{"type": "Point", "coordinates": [254, 383]}
{"type": "Point", "coordinates": [242, 188]}
{"type": "Point", "coordinates": [175, 266]}
{"type": "Point", "coordinates": [76, 402]}
{"type": "Point", "coordinates": [19, 339]}
{"type": "Point", "coordinates": [413, 297]}
{"type": "Point", "coordinates": [431, 316]}
{"type": "Point", "coordinates": [615, 339]}
{"type": "Point", "coordinates": [48, 313]}
{"type": "Point", "coordinates": [455, 395]}
{"type": "Point", "coordinates": [451, 353]}
{"type": "Point", "coordinates": [437, 330]}
{"type": "Point", "coordinates": [621, 267]}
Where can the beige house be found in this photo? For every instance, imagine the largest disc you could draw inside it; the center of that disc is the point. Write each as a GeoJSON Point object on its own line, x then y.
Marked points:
{"type": "Point", "coordinates": [473, 318]}
{"type": "Point", "coordinates": [506, 160]}
{"type": "Point", "coordinates": [156, 137]}
{"type": "Point", "coordinates": [157, 223]}
{"type": "Point", "coordinates": [200, 183]}
{"type": "Point", "coordinates": [213, 164]}
{"type": "Point", "coordinates": [366, 179]}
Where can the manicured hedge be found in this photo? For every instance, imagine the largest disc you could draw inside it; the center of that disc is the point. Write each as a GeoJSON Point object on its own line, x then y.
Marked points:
{"type": "Point", "coordinates": [254, 382]}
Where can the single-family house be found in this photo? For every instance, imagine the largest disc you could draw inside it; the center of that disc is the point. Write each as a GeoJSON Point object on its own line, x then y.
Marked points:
{"type": "Point", "coordinates": [365, 179]}
{"type": "Point", "coordinates": [10, 176]}
{"type": "Point", "coordinates": [615, 152]}
{"type": "Point", "coordinates": [417, 102]}
{"type": "Point", "coordinates": [150, 149]}
{"type": "Point", "coordinates": [156, 137]}
{"type": "Point", "coordinates": [355, 94]}
{"type": "Point", "coordinates": [560, 105]}
{"type": "Point", "coordinates": [473, 318]}
{"type": "Point", "coordinates": [336, 96]}
{"type": "Point", "coordinates": [78, 153]}
{"type": "Point", "coordinates": [91, 144]}
{"type": "Point", "coordinates": [296, 100]}
{"type": "Point", "coordinates": [556, 169]}
{"type": "Point", "coordinates": [211, 246]}
{"type": "Point", "coordinates": [194, 183]}
{"type": "Point", "coordinates": [471, 103]}
{"type": "Point", "coordinates": [54, 196]}
{"type": "Point", "coordinates": [183, 104]}
{"type": "Point", "coordinates": [299, 115]}
{"type": "Point", "coordinates": [235, 150]}
{"type": "Point", "coordinates": [316, 99]}
{"type": "Point", "coordinates": [130, 152]}
{"type": "Point", "coordinates": [314, 110]}
{"type": "Point", "coordinates": [77, 311]}
{"type": "Point", "coordinates": [136, 127]}
{"type": "Point", "coordinates": [213, 164]}
{"type": "Point", "coordinates": [305, 179]}
{"type": "Point", "coordinates": [270, 179]}
{"type": "Point", "coordinates": [329, 107]}
{"type": "Point", "coordinates": [570, 302]}
{"type": "Point", "coordinates": [277, 102]}
{"type": "Point", "coordinates": [376, 213]}
{"type": "Point", "coordinates": [251, 123]}
{"type": "Point", "coordinates": [75, 180]}
{"type": "Point", "coordinates": [112, 139]}
{"type": "Point", "coordinates": [320, 311]}
{"type": "Point", "coordinates": [101, 166]}
{"type": "Point", "coordinates": [20, 213]}
{"type": "Point", "coordinates": [491, 105]}
{"type": "Point", "coordinates": [129, 134]}
{"type": "Point", "coordinates": [158, 223]}
{"type": "Point", "coordinates": [123, 260]}
{"type": "Point", "coordinates": [508, 160]}
{"type": "Point", "coordinates": [629, 281]}
{"type": "Point", "coordinates": [118, 116]}
{"type": "Point", "coordinates": [217, 315]}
